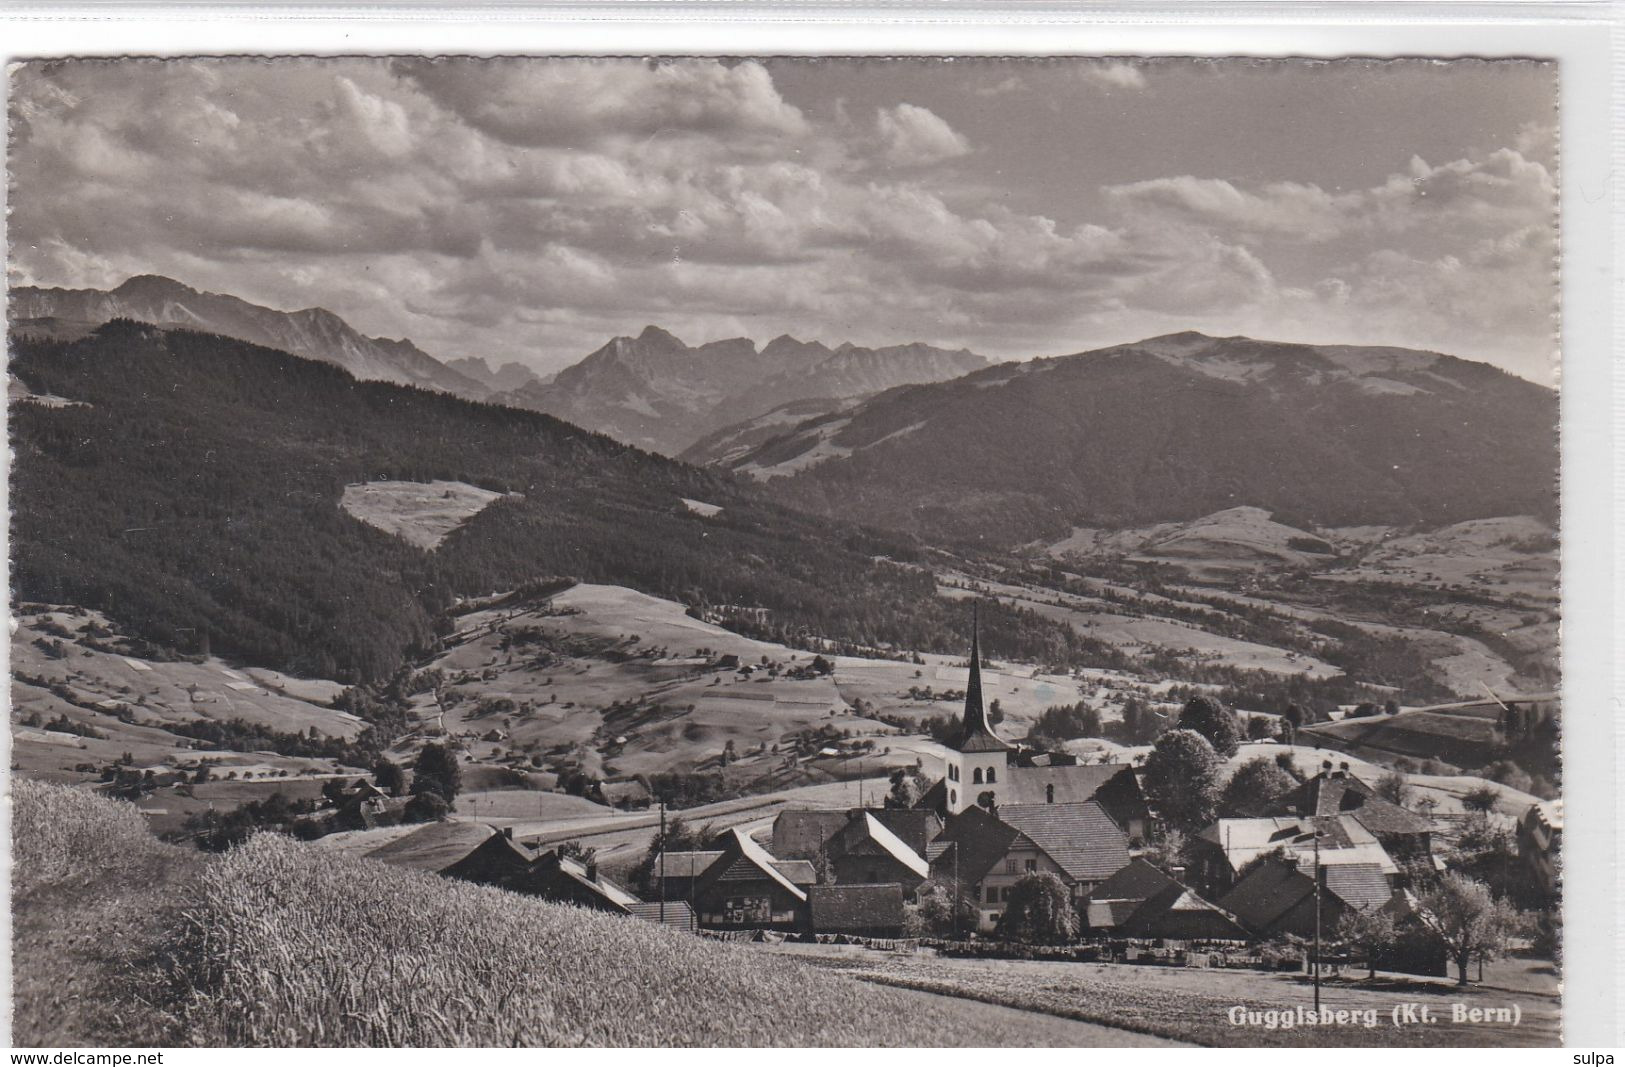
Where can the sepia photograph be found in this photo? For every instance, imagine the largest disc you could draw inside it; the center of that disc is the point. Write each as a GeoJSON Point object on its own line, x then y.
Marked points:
{"type": "Point", "coordinates": [785, 551]}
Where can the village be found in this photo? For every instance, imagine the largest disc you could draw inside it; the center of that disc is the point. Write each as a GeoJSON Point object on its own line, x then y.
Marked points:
{"type": "Point", "coordinates": [1013, 850]}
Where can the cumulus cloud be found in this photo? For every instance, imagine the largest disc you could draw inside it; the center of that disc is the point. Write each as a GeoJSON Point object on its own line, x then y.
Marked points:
{"type": "Point", "coordinates": [526, 210]}
{"type": "Point", "coordinates": [913, 136]}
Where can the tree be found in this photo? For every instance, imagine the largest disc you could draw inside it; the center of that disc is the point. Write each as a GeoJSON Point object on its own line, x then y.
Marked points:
{"type": "Point", "coordinates": [202, 775]}
{"type": "Point", "coordinates": [995, 713]}
{"type": "Point", "coordinates": [1287, 764]}
{"type": "Point", "coordinates": [1182, 779]}
{"type": "Point", "coordinates": [1371, 931]}
{"type": "Point", "coordinates": [1167, 852]}
{"type": "Point", "coordinates": [437, 771]}
{"type": "Point", "coordinates": [939, 914]}
{"type": "Point", "coordinates": [1259, 728]}
{"type": "Point", "coordinates": [1213, 721]}
{"type": "Point", "coordinates": [907, 786]}
{"type": "Point", "coordinates": [426, 807]}
{"type": "Point", "coordinates": [1038, 910]}
{"type": "Point", "coordinates": [679, 837]}
{"type": "Point", "coordinates": [1255, 790]}
{"type": "Point", "coordinates": [1393, 788]}
{"type": "Point", "coordinates": [1482, 798]}
{"type": "Point", "coordinates": [1468, 919]}
{"type": "Point", "coordinates": [1294, 715]}
{"type": "Point", "coordinates": [389, 776]}
{"type": "Point", "coordinates": [575, 850]}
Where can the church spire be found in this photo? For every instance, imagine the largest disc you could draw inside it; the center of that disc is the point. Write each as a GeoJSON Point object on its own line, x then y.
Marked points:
{"type": "Point", "coordinates": [976, 734]}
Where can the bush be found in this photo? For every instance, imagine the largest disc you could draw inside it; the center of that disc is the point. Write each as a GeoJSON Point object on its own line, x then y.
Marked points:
{"type": "Point", "coordinates": [426, 807]}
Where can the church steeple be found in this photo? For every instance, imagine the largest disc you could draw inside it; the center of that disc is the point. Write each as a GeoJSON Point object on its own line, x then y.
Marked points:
{"type": "Point", "coordinates": [976, 734]}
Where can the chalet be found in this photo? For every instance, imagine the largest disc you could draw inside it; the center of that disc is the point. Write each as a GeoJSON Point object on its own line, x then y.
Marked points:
{"type": "Point", "coordinates": [1540, 840]}
{"type": "Point", "coordinates": [859, 845]}
{"type": "Point", "coordinates": [499, 860]}
{"type": "Point", "coordinates": [984, 770]}
{"type": "Point", "coordinates": [1141, 900]}
{"type": "Point", "coordinates": [1220, 852]}
{"type": "Point", "coordinates": [862, 910]}
{"type": "Point", "coordinates": [555, 876]}
{"type": "Point", "coordinates": [744, 889]}
{"type": "Point", "coordinates": [986, 853]}
{"type": "Point", "coordinates": [1335, 792]}
{"type": "Point", "coordinates": [1277, 897]}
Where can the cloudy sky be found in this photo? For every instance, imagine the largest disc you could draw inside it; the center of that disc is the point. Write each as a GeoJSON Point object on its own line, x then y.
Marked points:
{"type": "Point", "coordinates": [531, 209]}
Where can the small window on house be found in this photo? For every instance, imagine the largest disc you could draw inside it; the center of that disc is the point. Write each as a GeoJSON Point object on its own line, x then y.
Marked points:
{"type": "Point", "coordinates": [1010, 866]}
{"type": "Point", "coordinates": [992, 894]}
{"type": "Point", "coordinates": [1032, 866]}
{"type": "Point", "coordinates": [992, 775]}
{"type": "Point", "coordinates": [1049, 794]}
{"type": "Point", "coordinates": [976, 776]}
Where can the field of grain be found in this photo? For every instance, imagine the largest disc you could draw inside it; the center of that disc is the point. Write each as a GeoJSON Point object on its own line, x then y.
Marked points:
{"type": "Point", "coordinates": [278, 944]}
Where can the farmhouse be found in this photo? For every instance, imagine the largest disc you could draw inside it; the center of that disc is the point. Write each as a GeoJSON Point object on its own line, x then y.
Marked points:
{"type": "Point", "coordinates": [1277, 897]}
{"type": "Point", "coordinates": [986, 854]}
{"type": "Point", "coordinates": [864, 851]}
{"type": "Point", "coordinates": [1221, 851]}
{"type": "Point", "coordinates": [1141, 900]}
{"type": "Point", "coordinates": [1334, 791]}
{"type": "Point", "coordinates": [859, 845]}
{"type": "Point", "coordinates": [744, 888]}
{"type": "Point", "coordinates": [555, 876]}
{"type": "Point", "coordinates": [499, 860]}
{"type": "Point", "coordinates": [674, 873]}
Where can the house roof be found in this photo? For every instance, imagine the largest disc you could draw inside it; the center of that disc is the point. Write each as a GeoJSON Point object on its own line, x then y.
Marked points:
{"type": "Point", "coordinates": [915, 827]}
{"type": "Point", "coordinates": [979, 841]}
{"type": "Point", "coordinates": [934, 799]}
{"type": "Point", "coordinates": [742, 859]}
{"type": "Point", "coordinates": [837, 907]}
{"type": "Point", "coordinates": [1360, 885]}
{"type": "Point", "coordinates": [1073, 784]}
{"type": "Point", "coordinates": [1343, 840]}
{"type": "Point", "coordinates": [1139, 880]}
{"type": "Point", "coordinates": [1179, 913]}
{"type": "Point", "coordinates": [1342, 794]}
{"type": "Point", "coordinates": [801, 872]}
{"type": "Point", "coordinates": [1082, 839]}
{"type": "Point", "coordinates": [866, 826]}
{"type": "Point", "coordinates": [683, 864]}
{"type": "Point", "coordinates": [498, 852]}
{"type": "Point", "coordinates": [610, 891]}
{"type": "Point", "coordinates": [1268, 892]}
{"type": "Point", "coordinates": [804, 834]}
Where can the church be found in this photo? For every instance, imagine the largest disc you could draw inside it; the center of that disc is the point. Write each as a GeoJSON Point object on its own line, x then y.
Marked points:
{"type": "Point", "coordinates": [985, 771]}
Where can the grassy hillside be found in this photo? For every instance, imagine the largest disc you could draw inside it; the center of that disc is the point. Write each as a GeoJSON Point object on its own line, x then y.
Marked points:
{"type": "Point", "coordinates": [278, 944]}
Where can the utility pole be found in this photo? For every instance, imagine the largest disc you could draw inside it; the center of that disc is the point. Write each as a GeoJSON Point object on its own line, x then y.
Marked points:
{"type": "Point", "coordinates": [1317, 924]}
{"type": "Point", "coordinates": [662, 874]}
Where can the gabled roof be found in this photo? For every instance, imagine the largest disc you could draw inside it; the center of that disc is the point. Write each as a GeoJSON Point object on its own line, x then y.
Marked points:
{"type": "Point", "coordinates": [979, 841]}
{"type": "Point", "coordinates": [1343, 794]}
{"type": "Point", "coordinates": [804, 834]}
{"type": "Point", "coordinates": [1139, 880]}
{"type": "Point", "coordinates": [1343, 840]}
{"type": "Point", "coordinates": [915, 827]}
{"type": "Point", "coordinates": [801, 872]}
{"type": "Point", "coordinates": [856, 907]}
{"type": "Point", "coordinates": [867, 827]}
{"type": "Point", "coordinates": [1360, 885]}
{"type": "Point", "coordinates": [497, 854]}
{"type": "Point", "coordinates": [742, 859]}
{"type": "Point", "coordinates": [1073, 785]}
{"type": "Point", "coordinates": [603, 887]}
{"type": "Point", "coordinates": [1268, 892]}
{"type": "Point", "coordinates": [683, 864]}
{"type": "Point", "coordinates": [934, 799]}
{"type": "Point", "coordinates": [1177, 912]}
{"type": "Point", "coordinates": [1082, 839]}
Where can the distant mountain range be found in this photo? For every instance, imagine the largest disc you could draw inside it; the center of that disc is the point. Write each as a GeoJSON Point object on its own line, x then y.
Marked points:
{"type": "Point", "coordinates": [314, 333]}
{"type": "Point", "coordinates": [658, 393]}
{"type": "Point", "coordinates": [1172, 428]}
{"type": "Point", "coordinates": [652, 390]}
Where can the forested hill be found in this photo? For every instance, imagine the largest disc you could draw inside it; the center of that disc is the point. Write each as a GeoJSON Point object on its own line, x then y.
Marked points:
{"type": "Point", "coordinates": [193, 492]}
{"type": "Point", "coordinates": [1173, 428]}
